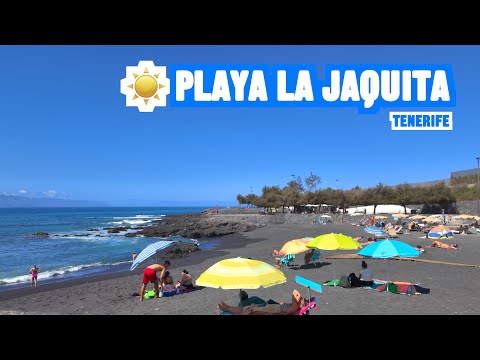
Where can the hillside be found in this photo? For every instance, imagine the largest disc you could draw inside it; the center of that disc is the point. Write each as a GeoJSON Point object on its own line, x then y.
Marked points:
{"type": "Point", "coordinates": [12, 201]}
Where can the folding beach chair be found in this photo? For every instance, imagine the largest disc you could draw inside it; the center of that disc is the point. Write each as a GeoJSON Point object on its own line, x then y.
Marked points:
{"type": "Point", "coordinates": [286, 260]}
{"type": "Point", "coordinates": [311, 285]}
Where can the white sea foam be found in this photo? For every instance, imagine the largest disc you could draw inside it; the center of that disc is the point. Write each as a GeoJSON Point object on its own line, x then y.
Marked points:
{"type": "Point", "coordinates": [56, 272]}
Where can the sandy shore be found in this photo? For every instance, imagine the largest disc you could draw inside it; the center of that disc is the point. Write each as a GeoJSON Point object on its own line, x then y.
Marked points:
{"type": "Point", "coordinates": [453, 289]}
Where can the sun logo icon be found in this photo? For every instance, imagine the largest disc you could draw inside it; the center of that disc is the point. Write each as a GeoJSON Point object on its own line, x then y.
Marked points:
{"type": "Point", "coordinates": [146, 86]}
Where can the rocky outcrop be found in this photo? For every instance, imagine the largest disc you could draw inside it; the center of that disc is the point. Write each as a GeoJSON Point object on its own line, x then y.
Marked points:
{"type": "Point", "coordinates": [196, 226]}
{"type": "Point", "coordinates": [181, 249]}
{"type": "Point", "coordinates": [40, 234]}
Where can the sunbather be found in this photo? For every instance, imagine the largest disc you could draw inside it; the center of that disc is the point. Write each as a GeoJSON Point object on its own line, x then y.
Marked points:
{"type": "Point", "coordinates": [186, 282]}
{"type": "Point", "coordinates": [277, 259]}
{"type": "Point", "coordinates": [246, 300]}
{"type": "Point", "coordinates": [369, 241]}
{"type": "Point", "coordinates": [270, 309]}
{"type": "Point", "coordinates": [421, 249]}
{"type": "Point", "coordinates": [442, 245]}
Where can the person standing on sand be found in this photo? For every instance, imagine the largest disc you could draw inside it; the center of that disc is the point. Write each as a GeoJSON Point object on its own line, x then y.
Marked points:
{"type": "Point", "coordinates": [150, 275]}
{"type": "Point", "coordinates": [34, 271]}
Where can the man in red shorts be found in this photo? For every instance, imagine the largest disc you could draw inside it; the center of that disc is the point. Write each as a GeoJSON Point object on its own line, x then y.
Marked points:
{"type": "Point", "coordinates": [150, 275]}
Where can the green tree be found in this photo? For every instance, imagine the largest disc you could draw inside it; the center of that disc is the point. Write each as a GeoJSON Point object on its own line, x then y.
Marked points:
{"type": "Point", "coordinates": [312, 182]}
{"type": "Point", "coordinates": [241, 199]}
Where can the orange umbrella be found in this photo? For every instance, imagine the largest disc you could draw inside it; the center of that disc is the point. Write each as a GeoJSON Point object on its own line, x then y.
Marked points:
{"type": "Point", "coordinates": [296, 246]}
{"type": "Point", "coordinates": [440, 229]}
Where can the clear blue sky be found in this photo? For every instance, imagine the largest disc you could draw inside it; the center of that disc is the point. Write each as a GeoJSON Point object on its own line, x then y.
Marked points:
{"type": "Point", "coordinates": [65, 129]}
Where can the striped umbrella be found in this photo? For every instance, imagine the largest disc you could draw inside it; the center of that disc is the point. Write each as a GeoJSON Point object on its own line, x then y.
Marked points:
{"type": "Point", "coordinates": [374, 230]}
{"type": "Point", "coordinates": [241, 273]}
{"type": "Point", "coordinates": [158, 248]}
{"type": "Point", "coordinates": [440, 231]}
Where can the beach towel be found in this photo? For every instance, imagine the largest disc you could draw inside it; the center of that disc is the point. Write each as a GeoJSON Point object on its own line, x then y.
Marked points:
{"type": "Point", "coordinates": [334, 282]}
{"type": "Point", "coordinates": [398, 287]}
{"type": "Point", "coordinates": [149, 294]}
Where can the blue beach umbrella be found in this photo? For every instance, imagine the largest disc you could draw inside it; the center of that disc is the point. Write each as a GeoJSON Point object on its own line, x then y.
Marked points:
{"type": "Point", "coordinates": [385, 249]}
{"type": "Point", "coordinates": [440, 231]}
{"type": "Point", "coordinates": [375, 230]}
{"type": "Point", "coordinates": [154, 250]}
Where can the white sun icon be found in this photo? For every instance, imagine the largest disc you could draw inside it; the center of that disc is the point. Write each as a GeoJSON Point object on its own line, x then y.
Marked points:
{"type": "Point", "coordinates": [146, 86]}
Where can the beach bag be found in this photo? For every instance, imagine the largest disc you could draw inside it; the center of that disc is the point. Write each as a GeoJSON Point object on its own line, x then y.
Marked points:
{"type": "Point", "coordinates": [353, 280]}
{"type": "Point", "coordinates": [344, 281]}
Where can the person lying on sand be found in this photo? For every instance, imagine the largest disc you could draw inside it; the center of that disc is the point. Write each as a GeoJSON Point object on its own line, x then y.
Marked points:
{"type": "Point", "coordinates": [277, 259]}
{"type": "Point", "coordinates": [442, 245]}
{"type": "Point", "coordinates": [270, 309]}
{"type": "Point", "coordinates": [368, 242]}
{"type": "Point", "coordinates": [421, 249]}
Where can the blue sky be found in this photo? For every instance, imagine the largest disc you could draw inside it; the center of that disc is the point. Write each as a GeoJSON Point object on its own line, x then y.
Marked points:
{"type": "Point", "coordinates": [65, 130]}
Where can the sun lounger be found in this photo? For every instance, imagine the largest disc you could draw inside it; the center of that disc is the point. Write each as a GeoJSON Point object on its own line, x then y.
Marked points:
{"type": "Point", "coordinates": [392, 233]}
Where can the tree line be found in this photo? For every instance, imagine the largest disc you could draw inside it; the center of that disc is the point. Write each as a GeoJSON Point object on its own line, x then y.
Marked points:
{"type": "Point", "coordinates": [296, 194]}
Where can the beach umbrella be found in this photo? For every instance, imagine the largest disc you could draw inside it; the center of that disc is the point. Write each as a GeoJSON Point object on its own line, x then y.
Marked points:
{"type": "Point", "coordinates": [439, 231]}
{"type": "Point", "coordinates": [375, 230]}
{"type": "Point", "coordinates": [154, 250]}
{"type": "Point", "coordinates": [400, 215]}
{"type": "Point", "coordinates": [296, 246]}
{"type": "Point", "coordinates": [380, 217]}
{"type": "Point", "coordinates": [385, 249]}
{"type": "Point", "coordinates": [241, 273]}
{"type": "Point", "coordinates": [433, 218]}
{"type": "Point", "coordinates": [334, 241]}
{"type": "Point", "coordinates": [417, 217]}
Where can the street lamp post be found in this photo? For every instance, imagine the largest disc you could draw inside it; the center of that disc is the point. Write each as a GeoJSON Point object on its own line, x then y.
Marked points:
{"type": "Point", "coordinates": [478, 188]}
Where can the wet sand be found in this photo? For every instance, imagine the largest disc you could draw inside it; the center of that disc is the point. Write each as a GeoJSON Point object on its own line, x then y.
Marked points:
{"type": "Point", "coordinates": [453, 289]}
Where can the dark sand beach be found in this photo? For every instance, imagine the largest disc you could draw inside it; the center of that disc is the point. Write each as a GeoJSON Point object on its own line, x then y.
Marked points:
{"type": "Point", "coordinates": [453, 289]}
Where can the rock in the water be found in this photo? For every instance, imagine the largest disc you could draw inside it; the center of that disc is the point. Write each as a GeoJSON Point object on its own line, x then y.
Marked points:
{"type": "Point", "coordinates": [40, 234]}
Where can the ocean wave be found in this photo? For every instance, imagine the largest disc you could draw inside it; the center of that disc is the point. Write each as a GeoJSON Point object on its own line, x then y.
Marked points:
{"type": "Point", "coordinates": [57, 272]}
{"type": "Point", "coordinates": [136, 216]}
{"type": "Point", "coordinates": [130, 222]}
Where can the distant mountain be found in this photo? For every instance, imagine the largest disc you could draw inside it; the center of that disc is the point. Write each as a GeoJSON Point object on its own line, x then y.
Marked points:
{"type": "Point", "coordinates": [11, 201]}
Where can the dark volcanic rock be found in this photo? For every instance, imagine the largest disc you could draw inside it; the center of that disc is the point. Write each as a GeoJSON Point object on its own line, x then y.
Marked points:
{"type": "Point", "coordinates": [196, 226]}
{"type": "Point", "coordinates": [182, 249]}
{"type": "Point", "coordinates": [117, 229]}
{"type": "Point", "coordinates": [40, 234]}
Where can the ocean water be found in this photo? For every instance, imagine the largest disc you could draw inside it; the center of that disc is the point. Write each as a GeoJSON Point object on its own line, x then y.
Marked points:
{"type": "Point", "coordinates": [65, 254]}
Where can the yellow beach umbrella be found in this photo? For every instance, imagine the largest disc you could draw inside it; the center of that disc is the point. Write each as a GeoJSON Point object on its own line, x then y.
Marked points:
{"type": "Point", "coordinates": [296, 246]}
{"type": "Point", "coordinates": [380, 217]}
{"type": "Point", "coordinates": [417, 217]}
{"type": "Point", "coordinates": [241, 273]}
{"type": "Point", "coordinates": [400, 215]}
{"type": "Point", "coordinates": [334, 242]}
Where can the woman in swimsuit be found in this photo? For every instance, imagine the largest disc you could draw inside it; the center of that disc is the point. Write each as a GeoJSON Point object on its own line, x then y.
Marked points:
{"type": "Point", "coordinates": [186, 282]}
{"type": "Point", "coordinates": [34, 271]}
